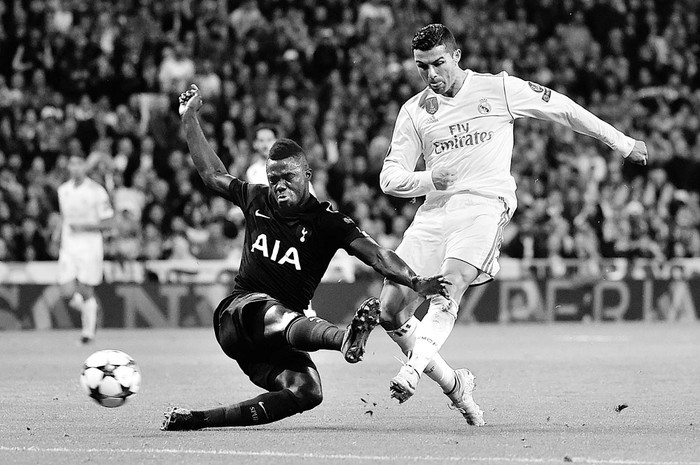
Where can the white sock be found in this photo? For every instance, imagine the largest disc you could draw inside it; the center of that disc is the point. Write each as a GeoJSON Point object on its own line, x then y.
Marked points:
{"type": "Point", "coordinates": [432, 332]}
{"type": "Point", "coordinates": [88, 315]}
{"type": "Point", "coordinates": [437, 369]}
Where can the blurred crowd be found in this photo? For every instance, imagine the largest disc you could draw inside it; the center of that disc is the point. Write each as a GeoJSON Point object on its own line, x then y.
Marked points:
{"type": "Point", "coordinates": [101, 78]}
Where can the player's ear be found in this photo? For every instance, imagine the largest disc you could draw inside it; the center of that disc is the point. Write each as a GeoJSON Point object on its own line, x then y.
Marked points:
{"type": "Point", "coordinates": [457, 55]}
{"type": "Point", "coordinates": [307, 173]}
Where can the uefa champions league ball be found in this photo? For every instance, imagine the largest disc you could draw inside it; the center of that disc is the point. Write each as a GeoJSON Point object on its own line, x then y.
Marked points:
{"type": "Point", "coordinates": [109, 377]}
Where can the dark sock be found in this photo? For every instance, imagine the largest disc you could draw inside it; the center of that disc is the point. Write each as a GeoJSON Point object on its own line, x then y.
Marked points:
{"type": "Point", "coordinates": [311, 334]}
{"type": "Point", "coordinates": [265, 408]}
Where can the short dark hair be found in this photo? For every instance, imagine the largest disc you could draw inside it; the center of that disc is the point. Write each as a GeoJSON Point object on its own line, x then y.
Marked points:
{"type": "Point", "coordinates": [269, 126]}
{"type": "Point", "coordinates": [285, 148]}
{"type": "Point", "coordinates": [433, 35]}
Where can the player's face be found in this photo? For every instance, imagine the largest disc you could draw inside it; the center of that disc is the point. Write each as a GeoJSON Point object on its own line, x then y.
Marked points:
{"type": "Point", "coordinates": [264, 139]}
{"type": "Point", "coordinates": [77, 167]}
{"type": "Point", "coordinates": [289, 182]}
{"type": "Point", "coordinates": [438, 68]}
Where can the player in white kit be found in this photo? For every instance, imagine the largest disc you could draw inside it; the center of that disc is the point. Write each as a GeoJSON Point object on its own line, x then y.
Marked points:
{"type": "Point", "coordinates": [462, 124]}
{"type": "Point", "coordinates": [85, 213]}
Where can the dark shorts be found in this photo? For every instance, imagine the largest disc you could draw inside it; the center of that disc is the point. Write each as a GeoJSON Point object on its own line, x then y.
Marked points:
{"type": "Point", "coordinates": [239, 329]}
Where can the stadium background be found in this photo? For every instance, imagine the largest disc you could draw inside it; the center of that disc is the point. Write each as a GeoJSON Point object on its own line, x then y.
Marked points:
{"type": "Point", "coordinates": [593, 237]}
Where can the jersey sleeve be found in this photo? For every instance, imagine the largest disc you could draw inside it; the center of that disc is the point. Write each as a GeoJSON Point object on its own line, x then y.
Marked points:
{"type": "Point", "coordinates": [529, 99]}
{"type": "Point", "coordinates": [343, 229]}
{"type": "Point", "coordinates": [241, 193]}
{"type": "Point", "coordinates": [398, 176]}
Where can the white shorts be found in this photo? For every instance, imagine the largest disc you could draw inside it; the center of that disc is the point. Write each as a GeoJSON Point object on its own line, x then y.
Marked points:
{"type": "Point", "coordinates": [85, 267]}
{"type": "Point", "coordinates": [466, 227]}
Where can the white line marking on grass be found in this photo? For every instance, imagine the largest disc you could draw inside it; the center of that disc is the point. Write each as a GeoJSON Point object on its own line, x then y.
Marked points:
{"type": "Point", "coordinates": [590, 338]}
{"type": "Point", "coordinates": [378, 458]}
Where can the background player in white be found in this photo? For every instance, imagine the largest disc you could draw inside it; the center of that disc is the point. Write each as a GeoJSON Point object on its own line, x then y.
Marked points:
{"type": "Point", "coordinates": [265, 136]}
{"type": "Point", "coordinates": [85, 213]}
{"type": "Point", "coordinates": [462, 124]}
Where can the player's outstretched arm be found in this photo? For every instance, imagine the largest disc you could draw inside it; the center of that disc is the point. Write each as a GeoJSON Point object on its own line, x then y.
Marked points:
{"type": "Point", "coordinates": [208, 164]}
{"type": "Point", "coordinates": [529, 99]}
{"type": "Point", "coordinates": [391, 266]}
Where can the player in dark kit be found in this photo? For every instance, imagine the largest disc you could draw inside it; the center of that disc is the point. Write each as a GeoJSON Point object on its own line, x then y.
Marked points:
{"type": "Point", "coordinates": [290, 238]}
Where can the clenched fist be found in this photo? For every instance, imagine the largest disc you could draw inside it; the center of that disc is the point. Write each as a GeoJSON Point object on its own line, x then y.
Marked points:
{"type": "Point", "coordinates": [190, 100]}
{"type": "Point", "coordinates": [639, 153]}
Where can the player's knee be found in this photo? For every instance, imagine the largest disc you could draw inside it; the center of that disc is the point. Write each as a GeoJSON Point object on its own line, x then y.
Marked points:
{"type": "Point", "coordinates": [308, 395]}
{"type": "Point", "coordinates": [460, 277]}
{"type": "Point", "coordinates": [276, 320]}
{"type": "Point", "coordinates": [86, 291]}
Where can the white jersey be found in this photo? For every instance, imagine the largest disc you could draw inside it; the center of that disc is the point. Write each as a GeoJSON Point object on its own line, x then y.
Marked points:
{"type": "Point", "coordinates": [86, 203]}
{"type": "Point", "coordinates": [472, 135]}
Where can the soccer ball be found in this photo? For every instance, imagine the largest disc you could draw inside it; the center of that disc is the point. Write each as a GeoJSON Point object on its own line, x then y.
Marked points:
{"type": "Point", "coordinates": [110, 376]}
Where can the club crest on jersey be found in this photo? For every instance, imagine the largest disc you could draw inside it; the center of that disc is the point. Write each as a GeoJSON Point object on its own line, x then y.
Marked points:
{"type": "Point", "coordinates": [484, 107]}
{"type": "Point", "coordinates": [303, 233]}
{"type": "Point", "coordinates": [431, 105]}
{"type": "Point", "coordinates": [538, 88]}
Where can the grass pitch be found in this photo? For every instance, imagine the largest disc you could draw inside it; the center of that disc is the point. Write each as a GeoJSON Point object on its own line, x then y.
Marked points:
{"type": "Point", "coordinates": [551, 394]}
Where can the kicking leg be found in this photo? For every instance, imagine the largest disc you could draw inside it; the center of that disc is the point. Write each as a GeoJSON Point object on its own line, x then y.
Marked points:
{"type": "Point", "coordinates": [268, 330]}
{"type": "Point", "coordinates": [290, 376]}
{"type": "Point", "coordinates": [400, 324]}
{"type": "Point", "coordinates": [437, 325]}
{"type": "Point", "coordinates": [434, 329]}
{"type": "Point", "coordinates": [457, 385]}
{"type": "Point", "coordinates": [313, 333]}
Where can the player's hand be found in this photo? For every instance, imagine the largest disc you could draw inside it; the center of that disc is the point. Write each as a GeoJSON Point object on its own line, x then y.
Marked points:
{"type": "Point", "coordinates": [443, 178]}
{"type": "Point", "coordinates": [639, 153]}
{"type": "Point", "coordinates": [190, 100]}
{"type": "Point", "coordinates": [430, 286]}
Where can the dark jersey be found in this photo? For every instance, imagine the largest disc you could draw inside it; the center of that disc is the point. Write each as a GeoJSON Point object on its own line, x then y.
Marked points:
{"type": "Point", "coordinates": [286, 257]}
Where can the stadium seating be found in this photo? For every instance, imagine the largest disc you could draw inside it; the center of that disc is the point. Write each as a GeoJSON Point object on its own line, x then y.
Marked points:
{"type": "Point", "coordinates": [102, 78]}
